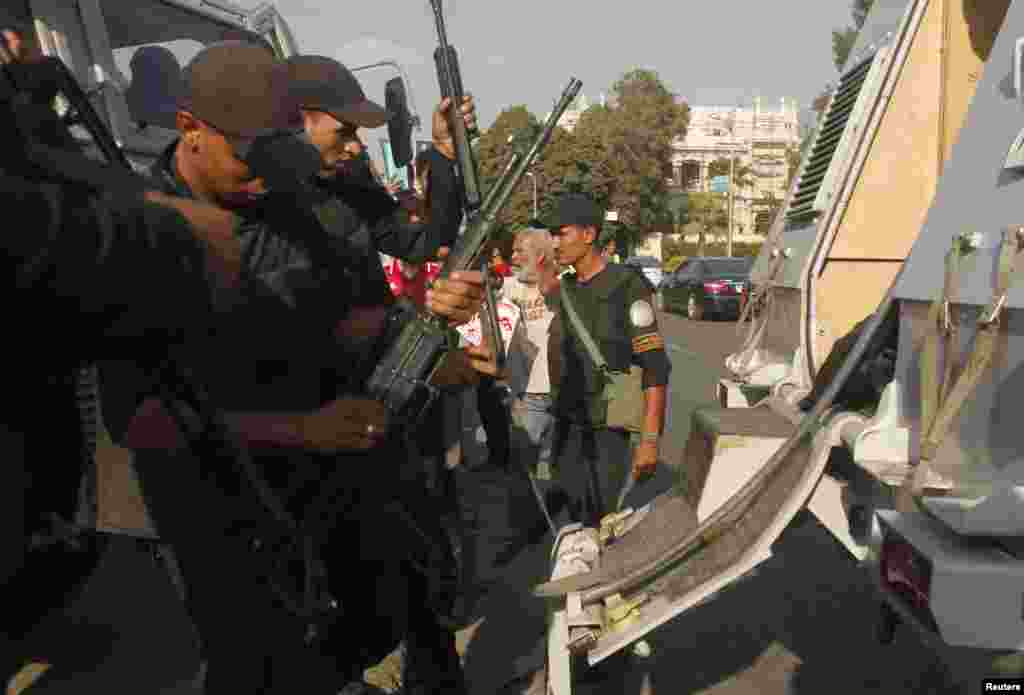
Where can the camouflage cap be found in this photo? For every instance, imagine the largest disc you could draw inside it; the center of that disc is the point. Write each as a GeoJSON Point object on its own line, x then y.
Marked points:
{"type": "Point", "coordinates": [324, 84]}
{"type": "Point", "coordinates": [241, 90]}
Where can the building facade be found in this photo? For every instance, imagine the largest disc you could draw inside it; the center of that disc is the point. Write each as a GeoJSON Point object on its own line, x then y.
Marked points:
{"type": "Point", "coordinates": [758, 136]}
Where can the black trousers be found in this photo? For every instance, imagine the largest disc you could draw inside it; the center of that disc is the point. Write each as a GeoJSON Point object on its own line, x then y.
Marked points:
{"type": "Point", "coordinates": [591, 466]}
{"type": "Point", "coordinates": [250, 641]}
{"type": "Point", "coordinates": [495, 418]}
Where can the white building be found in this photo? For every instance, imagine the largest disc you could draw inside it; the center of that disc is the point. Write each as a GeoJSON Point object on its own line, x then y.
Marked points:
{"type": "Point", "coordinates": [758, 136]}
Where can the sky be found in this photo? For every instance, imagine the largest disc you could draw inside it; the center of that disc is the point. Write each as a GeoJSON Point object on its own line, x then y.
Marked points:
{"type": "Point", "coordinates": [723, 52]}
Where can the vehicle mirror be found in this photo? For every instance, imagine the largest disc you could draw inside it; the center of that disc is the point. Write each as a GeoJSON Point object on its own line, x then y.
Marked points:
{"type": "Point", "coordinates": [399, 121]}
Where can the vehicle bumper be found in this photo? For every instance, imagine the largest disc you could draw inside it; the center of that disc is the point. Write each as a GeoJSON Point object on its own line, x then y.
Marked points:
{"type": "Point", "coordinates": [722, 304]}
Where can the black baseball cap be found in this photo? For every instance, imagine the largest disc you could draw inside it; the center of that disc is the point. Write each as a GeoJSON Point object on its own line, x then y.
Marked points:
{"type": "Point", "coordinates": [324, 84]}
{"type": "Point", "coordinates": [578, 209]}
{"type": "Point", "coordinates": [241, 90]}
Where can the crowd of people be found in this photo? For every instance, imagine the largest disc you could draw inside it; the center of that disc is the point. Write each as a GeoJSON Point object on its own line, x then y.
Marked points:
{"type": "Point", "coordinates": [259, 277]}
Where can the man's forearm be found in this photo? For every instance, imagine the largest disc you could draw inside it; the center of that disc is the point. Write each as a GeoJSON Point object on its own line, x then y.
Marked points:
{"type": "Point", "coordinates": [152, 427]}
{"type": "Point", "coordinates": [268, 429]}
{"type": "Point", "coordinates": [418, 242]}
{"type": "Point", "coordinates": [654, 409]}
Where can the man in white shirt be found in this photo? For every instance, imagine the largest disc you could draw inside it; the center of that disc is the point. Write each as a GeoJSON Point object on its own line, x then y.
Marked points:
{"type": "Point", "coordinates": [534, 267]}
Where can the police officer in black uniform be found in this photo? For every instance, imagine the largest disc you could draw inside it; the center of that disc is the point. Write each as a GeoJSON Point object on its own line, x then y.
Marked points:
{"type": "Point", "coordinates": [334, 107]}
{"type": "Point", "coordinates": [615, 305]}
{"type": "Point", "coordinates": [233, 101]}
{"type": "Point", "coordinates": [124, 272]}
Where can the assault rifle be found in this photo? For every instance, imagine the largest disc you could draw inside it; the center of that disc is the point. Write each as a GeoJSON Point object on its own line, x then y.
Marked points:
{"type": "Point", "coordinates": [420, 340]}
{"type": "Point", "coordinates": [40, 105]}
{"type": "Point", "coordinates": [449, 79]}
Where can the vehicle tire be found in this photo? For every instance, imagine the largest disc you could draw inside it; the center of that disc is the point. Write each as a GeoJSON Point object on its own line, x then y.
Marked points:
{"type": "Point", "coordinates": [694, 311]}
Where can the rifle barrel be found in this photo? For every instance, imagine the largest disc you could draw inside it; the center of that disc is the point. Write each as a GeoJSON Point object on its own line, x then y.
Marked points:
{"type": "Point", "coordinates": [482, 223]}
{"type": "Point", "coordinates": [507, 183]}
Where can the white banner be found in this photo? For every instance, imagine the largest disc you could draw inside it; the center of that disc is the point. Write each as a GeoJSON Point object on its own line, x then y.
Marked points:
{"type": "Point", "coordinates": [508, 318]}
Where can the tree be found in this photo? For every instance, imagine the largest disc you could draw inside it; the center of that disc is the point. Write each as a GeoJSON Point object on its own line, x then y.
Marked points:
{"type": "Point", "coordinates": [842, 43]}
{"type": "Point", "coordinates": [768, 207]}
{"type": "Point", "coordinates": [617, 153]}
{"type": "Point", "coordinates": [679, 210]}
{"type": "Point", "coordinates": [843, 40]}
{"type": "Point", "coordinates": [707, 214]}
{"type": "Point", "coordinates": [794, 156]}
{"type": "Point", "coordinates": [512, 130]}
{"type": "Point", "coordinates": [633, 142]}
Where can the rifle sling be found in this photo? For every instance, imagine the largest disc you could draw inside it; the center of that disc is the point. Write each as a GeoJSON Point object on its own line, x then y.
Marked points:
{"type": "Point", "coordinates": [581, 331]}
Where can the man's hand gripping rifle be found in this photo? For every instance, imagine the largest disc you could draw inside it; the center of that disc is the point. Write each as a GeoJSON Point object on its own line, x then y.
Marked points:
{"type": "Point", "coordinates": [449, 79]}
{"type": "Point", "coordinates": [40, 146]}
{"type": "Point", "coordinates": [418, 341]}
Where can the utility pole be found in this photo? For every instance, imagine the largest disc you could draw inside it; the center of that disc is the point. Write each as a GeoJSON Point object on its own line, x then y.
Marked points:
{"type": "Point", "coordinates": [534, 179]}
{"type": "Point", "coordinates": [731, 202]}
{"type": "Point", "coordinates": [732, 161]}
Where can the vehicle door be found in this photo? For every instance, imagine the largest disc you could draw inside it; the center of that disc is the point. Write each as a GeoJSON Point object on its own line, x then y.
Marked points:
{"type": "Point", "coordinates": [673, 286]}
{"type": "Point", "coordinates": [695, 285]}
{"type": "Point", "coordinates": [129, 55]}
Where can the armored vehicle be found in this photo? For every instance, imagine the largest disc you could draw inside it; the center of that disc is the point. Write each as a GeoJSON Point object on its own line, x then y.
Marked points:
{"type": "Point", "coordinates": [921, 482]}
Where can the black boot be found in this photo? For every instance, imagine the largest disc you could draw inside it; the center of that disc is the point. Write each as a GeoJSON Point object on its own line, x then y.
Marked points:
{"type": "Point", "coordinates": [433, 669]}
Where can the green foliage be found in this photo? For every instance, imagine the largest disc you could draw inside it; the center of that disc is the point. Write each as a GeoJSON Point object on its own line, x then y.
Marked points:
{"type": "Point", "coordinates": [742, 174]}
{"type": "Point", "coordinates": [672, 263]}
{"type": "Point", "coordinates": [493, 150]}
{"type": "Point", "coordinates": [860, 11]}
{"type": "Point", "coordinates": [616, 153]}
{"type": "Point", "coordinates": [768, 207]}
{"type": "Point", "coordinates": [679, 209]}
{"type": "Point", "coordinates": [689, 249]}
{"type": "Point", "coordinates": [794, 156]}
{"type": "Point", "coordinates": [708, 215]}
{"type": "Point", "coordinates": [843, 40]}
{"type": "Point", "coordinates": [842, 43]}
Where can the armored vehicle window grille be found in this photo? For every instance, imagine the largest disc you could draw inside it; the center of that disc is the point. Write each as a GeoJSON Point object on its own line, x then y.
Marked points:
{"type": "Point", "coordinates": [826, 141]}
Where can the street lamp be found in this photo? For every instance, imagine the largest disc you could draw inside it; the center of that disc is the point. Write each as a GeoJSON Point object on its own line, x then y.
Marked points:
{"type": "Point", "coordinates": [534, 179]}
{"type": "Point", "coordinates": [732, 183]}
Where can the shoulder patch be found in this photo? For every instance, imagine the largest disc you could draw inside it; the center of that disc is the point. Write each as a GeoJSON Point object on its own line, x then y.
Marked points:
{"type": "Point", "coordinates": [641, 314]}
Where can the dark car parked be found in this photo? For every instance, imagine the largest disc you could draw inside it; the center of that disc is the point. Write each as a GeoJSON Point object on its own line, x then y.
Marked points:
{"type": "Point", "coordinates": [708, 286]}
{"type": "Point", "coordinates": [649, 266]}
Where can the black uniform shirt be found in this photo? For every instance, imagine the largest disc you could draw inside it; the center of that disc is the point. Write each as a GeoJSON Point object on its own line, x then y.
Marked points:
{"type": "Point", "coordinates": [271, 348]}
{"type": "Point", "coordinates": [384, 227]}
{"type": "Point", "coordinates": [617, 310]}
{"type": "Point", "coordinates": [90, 276]}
